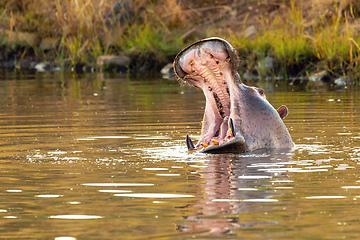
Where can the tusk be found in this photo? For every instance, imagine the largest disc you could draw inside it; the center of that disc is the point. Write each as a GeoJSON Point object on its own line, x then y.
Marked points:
{"type": "Point", "coordinates": [189, 143]}
{"type": "Point", "coordinates": [232, 128]}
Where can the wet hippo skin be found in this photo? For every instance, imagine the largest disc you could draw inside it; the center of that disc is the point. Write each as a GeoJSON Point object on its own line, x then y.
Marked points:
{"type": "Point", "coordinates": [237, 118]}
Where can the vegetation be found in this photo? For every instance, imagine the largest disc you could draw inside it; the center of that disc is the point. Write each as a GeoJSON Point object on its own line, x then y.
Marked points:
{"type": "Point", "coordinates": [85, 29]}
{"type": "Point", "coordinates": [302, 36]}
{"type": "Point", "coordinates": [304, 43]}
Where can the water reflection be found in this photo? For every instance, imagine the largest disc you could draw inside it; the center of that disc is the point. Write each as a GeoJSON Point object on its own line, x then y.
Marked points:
{"type": "Point", "coordinates": [104, 157]}
{"type": "Point", "coordinates": [232, 185]}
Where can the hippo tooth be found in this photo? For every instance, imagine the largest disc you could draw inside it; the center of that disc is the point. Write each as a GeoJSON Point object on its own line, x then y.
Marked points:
{"type": "Point", "coordinates": [189, 143]}
{"type": "Point", "coordinates": [232, 127]}
{"type": "Point", "coordinates": [204, 145]}
{"type": "Point", "coordinates": [215, 142]}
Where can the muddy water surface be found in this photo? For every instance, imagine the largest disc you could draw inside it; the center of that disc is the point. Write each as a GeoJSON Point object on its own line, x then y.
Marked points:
{"type": "Point", "coordinates": [103, 157]}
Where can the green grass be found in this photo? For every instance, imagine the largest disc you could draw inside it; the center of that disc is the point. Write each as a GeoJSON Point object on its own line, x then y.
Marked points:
{"type": "Point", "coordinates": [330, 44]}
{"type": "Point", "coordinates": [286, 37]}
{"type": "Point", "coordinates": [145, 40]}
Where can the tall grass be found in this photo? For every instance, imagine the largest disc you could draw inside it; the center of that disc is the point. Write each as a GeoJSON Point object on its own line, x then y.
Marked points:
{"type": "Point", "coordinates": [287, 37]}
{"type": "Point", "coordinates": [158, 29]}
{"type": "Point", "coordinates": [336, 46]}
{"type": "Point", "coordinates": [330, 43]}
{"type": "Point", "coordinates": [83, 28]}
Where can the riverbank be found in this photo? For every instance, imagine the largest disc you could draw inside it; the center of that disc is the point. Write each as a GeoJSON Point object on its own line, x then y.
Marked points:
{"type": "Point", "coordinates": [274, 38]}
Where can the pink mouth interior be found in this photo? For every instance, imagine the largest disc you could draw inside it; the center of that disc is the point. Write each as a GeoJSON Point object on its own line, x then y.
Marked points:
{"type": "Point", "coordinates": [208, 67]}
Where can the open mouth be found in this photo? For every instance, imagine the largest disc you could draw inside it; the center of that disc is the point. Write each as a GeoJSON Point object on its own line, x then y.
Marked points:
{"type": "Point", "coordinates": [209, 65]}
{"type": "Point", "coordinates": [237, 117]}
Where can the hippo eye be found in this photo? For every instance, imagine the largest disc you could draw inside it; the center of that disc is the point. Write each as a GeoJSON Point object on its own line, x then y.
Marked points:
{"type": "Point", "coordinates": [261, 91]}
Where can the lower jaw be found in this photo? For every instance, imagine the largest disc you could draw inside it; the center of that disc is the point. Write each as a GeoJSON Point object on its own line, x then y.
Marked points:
{"type": "Point", "coordinates": [221, 134]}
{"type": "Point", "coordinates": [225, 134]}
{"type": "Point", "coordinates": [235, 145]}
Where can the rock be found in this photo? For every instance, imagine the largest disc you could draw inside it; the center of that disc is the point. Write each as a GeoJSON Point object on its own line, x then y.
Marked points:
{"type": "Point", "coordinates": [318, 79]}
{"type": "Point", "coordinates": [112, 62]}
{"type": "Point", "coordinates": [342, 81]}
{"type": "Point", "coordinates": [250, 32]}
{"type": "Point", "coordinates": [168, 72]}
{"type": "Point", "coordinates": [168, 69]}
{"type": "Point", "coordinates": [112, 59]}
{"type": "Point", "coordinates": [319, 76]}
{"type": "Point", "coordinates": [19, 38]}
{"type": "Point", "coordinates": [43, 66]}
{"type": "Point", "coordinates": [48, 43]}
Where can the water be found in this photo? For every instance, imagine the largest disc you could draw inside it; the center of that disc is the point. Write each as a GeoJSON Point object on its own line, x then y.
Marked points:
{"type": "Point", "coordinates": [103, 157]}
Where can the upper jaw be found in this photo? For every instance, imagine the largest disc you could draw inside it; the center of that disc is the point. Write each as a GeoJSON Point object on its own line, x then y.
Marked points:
{"type": "Point", "coordinates": [211, 65]}
{"type": "Point", "coordinates": [180, 74]}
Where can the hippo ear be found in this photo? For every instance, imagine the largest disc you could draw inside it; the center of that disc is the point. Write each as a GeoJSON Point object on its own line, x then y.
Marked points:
{"type": "Point", "coordinates": [283, 111]}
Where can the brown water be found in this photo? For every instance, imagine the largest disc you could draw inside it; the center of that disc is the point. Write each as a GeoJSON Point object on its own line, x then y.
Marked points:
{"type": "Point", "coordinates": [96, 157]}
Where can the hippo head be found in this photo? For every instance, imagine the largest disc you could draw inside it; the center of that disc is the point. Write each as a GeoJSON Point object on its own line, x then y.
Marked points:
{"type": "Point", "coordinates": [237, 117]}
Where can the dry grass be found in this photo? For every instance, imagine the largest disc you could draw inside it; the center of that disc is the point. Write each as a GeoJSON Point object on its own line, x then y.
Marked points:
{"type": "Point", "coordinates": [88, 28]}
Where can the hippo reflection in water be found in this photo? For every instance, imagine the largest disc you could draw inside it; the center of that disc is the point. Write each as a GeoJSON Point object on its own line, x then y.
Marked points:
{"type": "Point", "coordinates": [237, 118]}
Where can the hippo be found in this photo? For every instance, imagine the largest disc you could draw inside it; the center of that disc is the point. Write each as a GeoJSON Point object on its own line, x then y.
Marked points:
{"type": "Point", "coordinates": [237, 118]}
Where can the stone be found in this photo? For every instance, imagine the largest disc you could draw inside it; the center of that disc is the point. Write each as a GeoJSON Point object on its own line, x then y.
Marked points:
{"type": "Point", "coordinates": [43, 66]}
{"type": "Point", "coordinates": [319, 76]}
{"type": "Point", "coordinates": [112, 59]}
{"type": "Point", "coordinates": [168, 72]}
{"type": "Point", "coordinates": [112, 62]}
{"type": "Point", "coordinates": [168, 69]}
{"type": "Point", "coordinates": [342, 81]}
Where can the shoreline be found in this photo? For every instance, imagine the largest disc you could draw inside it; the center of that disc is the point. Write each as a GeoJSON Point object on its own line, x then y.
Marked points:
{"type": "Point", "coordinates": [278, 39]}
